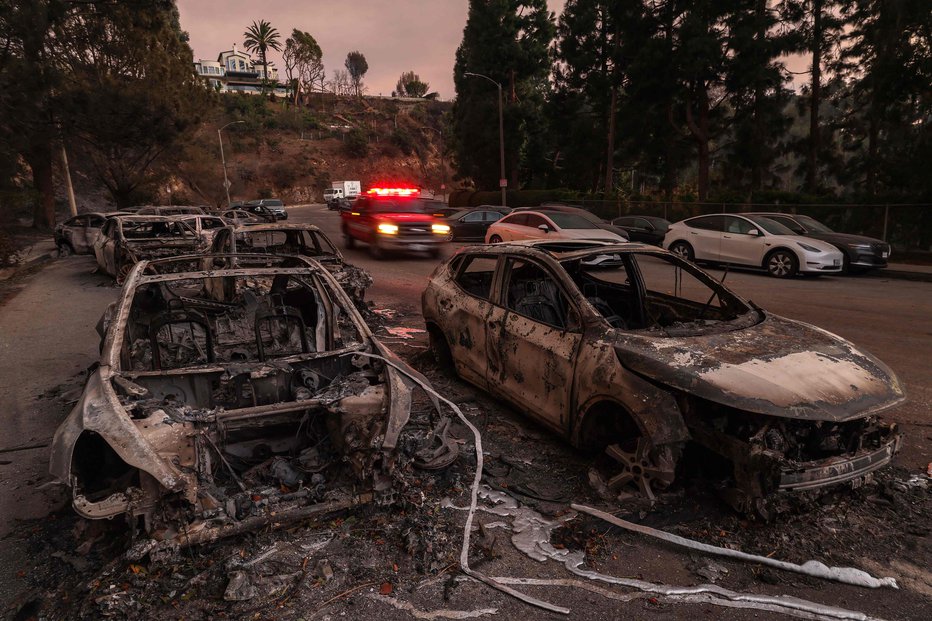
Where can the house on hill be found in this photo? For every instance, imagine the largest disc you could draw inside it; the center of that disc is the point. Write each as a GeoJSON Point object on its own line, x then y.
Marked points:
{"type": "Point", "coordinates": [236, 71]}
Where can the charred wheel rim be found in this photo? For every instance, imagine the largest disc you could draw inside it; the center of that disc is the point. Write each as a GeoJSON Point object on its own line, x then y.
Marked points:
{"type": "Point", "coordinates": [645, 467]}
{"type": "Point", "coordinates": [781, 264]}
{"type": "Point", "coordinates": [123, 272]}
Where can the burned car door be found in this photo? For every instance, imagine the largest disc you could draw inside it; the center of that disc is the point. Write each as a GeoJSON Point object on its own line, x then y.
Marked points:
{"type": "Point", "coordinates": [538, 340]}
{"type": "Point", "coordinates": [475, 278]}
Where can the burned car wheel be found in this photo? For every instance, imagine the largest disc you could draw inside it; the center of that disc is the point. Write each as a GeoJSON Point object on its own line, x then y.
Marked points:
{"type": "Point", "coordinates": [123, 272]}
{"type": "Point", "coordinates": [441, 349]}
{"type": "Point", "coordinates": [638, 464]}
{"type": "Point", "coordinates": [782, 264]}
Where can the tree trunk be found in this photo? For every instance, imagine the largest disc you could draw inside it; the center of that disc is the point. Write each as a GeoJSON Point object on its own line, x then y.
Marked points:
{"type": "Point", "coordinates": [815, 98]}
{"type": "Point", "coordinates": [610, 147]}
{"type": "Point", "coordinates": [39, 158]}
{"type": "Point", "coordinates": [699, 128]}
{"type": "Point", "coordinates": [757, 163]}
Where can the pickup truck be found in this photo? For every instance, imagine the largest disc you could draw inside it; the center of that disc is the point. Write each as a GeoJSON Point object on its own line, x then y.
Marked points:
{"type": "Point", "coordinates": [394, 219]}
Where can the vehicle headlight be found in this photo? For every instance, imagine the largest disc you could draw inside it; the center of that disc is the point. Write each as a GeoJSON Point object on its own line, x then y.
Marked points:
{"type": "Point", "coordinates": [388, 228]}
{"type": "Point", "coordinates": [862, 246]}
{"type": "Point", "coordinates": [443, 229]}
{"type": "Point", "coordinates": [809, 248]}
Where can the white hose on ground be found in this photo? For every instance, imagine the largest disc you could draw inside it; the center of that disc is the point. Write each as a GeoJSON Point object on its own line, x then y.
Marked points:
{"type": "Point", "coordinates": [847, 575]}
{"type": "Point", "coordinates": [474, 494]}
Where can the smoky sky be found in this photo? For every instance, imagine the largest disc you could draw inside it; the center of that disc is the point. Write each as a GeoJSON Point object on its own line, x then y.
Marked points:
{"type": "Point", "coordinates": [395, 35]}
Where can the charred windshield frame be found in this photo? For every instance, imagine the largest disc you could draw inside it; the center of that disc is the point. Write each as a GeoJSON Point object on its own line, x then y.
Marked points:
{"type": "Point", "coordinates": [736, 312]}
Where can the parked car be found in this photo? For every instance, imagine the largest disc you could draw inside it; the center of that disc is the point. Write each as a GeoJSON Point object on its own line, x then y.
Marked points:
{"type": "Point", "coordinates": [205, 226]}
{"type": "Point", "coordinates": [170, 210]}
{"type": "Point", "coordinates": [751, 241]}
{"type": "Point", "coordinates": [551, 224]}
{"type": "Point", "coordinates": [237, 392]}
{"type": "Point", "coordinates": [647, 229]}
{"type": "Point", "coordinates": [238, 217]}
{"type": "Point", "coordinates": [583, 213]}
{"type": "Point", "coordinates": [634, 358]}
{"type": "Point", "coordinates": [339, 203]}
{"type": "Point", "coordinates": [394, 219]}
{"type": "Point", "coordinates": [472, 224]}
{"type": "Point", "coordinates": [304, 240]}
{"type": "Point", "coordinates": [126, 240]}
{"type": "Point", "coordinates": [264, 206]}
{"type": "Point", "coordinates": [77, 235]}
{"type": "Point", "coordinates": [860, 253]}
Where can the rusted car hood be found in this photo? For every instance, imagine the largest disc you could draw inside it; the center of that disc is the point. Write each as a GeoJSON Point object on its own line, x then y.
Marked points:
{"type": "Point", "coordinates": [778, 367]}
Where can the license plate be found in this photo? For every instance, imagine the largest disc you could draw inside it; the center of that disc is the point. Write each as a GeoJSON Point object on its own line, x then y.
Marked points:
{"type": "Point", "coordinates": [837, 262]}
{"type": "Point", "coordinates": [419, 247]}
{"type": "Point", "coordinates": [884, 254]}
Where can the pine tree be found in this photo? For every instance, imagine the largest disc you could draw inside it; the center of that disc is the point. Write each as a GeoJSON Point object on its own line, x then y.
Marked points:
{"type": "Point", "coordinates": [508, 41]}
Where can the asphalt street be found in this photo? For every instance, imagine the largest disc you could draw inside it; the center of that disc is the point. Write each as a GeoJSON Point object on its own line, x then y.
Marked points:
{"type": "Point", "coordinates": [48, 338]}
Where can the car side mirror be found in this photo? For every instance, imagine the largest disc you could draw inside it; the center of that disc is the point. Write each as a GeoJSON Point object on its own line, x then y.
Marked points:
{"type": "Point", "coordinates": [754, 233]}
{"type": "Point", "coordinates": [544, 228]}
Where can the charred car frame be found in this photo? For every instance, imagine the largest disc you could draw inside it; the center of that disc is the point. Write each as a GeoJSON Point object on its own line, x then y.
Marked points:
{"type": "Point", "coordinates": [237, 396]}
{"type": "Point", "coordinates": [631, 352]}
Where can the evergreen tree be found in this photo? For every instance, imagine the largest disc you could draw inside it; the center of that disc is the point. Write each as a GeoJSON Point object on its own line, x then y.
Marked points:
{"type": "Point", "coordinates": [508, 41]}
{"type": "Point", "coordinates": [356, 67]}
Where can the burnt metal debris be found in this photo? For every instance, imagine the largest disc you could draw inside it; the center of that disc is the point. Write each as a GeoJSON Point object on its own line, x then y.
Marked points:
{"type": "Point", "coordinates": [237, 397]}
{"type": "Point", "coordinates": [631, 352]}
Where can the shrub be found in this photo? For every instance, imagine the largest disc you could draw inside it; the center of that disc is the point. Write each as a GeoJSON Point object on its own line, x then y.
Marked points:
{"type": "Point", "coordinates": [356, 144]}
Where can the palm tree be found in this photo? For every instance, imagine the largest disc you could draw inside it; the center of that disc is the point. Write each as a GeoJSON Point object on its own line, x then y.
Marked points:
{"type": "Point", "coordinates": [262, 37]}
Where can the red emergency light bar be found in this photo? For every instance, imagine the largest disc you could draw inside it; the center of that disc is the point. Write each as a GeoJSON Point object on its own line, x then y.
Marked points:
{"type": "Point", "coordinates": [394, 191]}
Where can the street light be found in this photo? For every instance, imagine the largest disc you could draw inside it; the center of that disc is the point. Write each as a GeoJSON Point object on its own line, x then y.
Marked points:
{"type": "Point", "coordinates": [443, 168]}
{"type": "Point", "coordinates": [503, 181]}
{"type": "Point", "coordinates": [226, 181]}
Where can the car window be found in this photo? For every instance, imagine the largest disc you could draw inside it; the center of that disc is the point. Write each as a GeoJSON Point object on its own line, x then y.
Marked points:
{"type": "Point", "coordinates": [571, 221]}
{"type": "Point", "coordinates": [475, 275]}
{"type": "Point", "coordinates": [532, 292]}
{"type": "Point", "coordinates": [317, 243]}
{"type": "Point", "coordinates": [263, 241]}
{"type": "Point", "coordinates": [738, 225]}
{"type": "Point", "coordinates": [813, 225]}
{"type": "Point", "coordinates": [211, 223]}
{"type": "Point", "coordinates": [771, 226]}
{"type": "Point", "coordinates": [520, 219]}
{"type": "Point", "coordinates": [641, 223]}
{"type": "Point", "coordinates": [491, 216]}
{"type": "Point", "coordinates": [108, 228]}
{"type": "Point", "coordinates": [476, 216]}
{"type": "Point", "coordinates": [533, 220]}
{"type": "Point", "coordinates": [96, 221]}
{"type": "Point", "coordinates": [625, 221]}
{"type": "Point", "coordinates": [789, 223]}
{"type": "Point", "coordinates": [77, 221]}
{"type": "Point", "coordinates": [708, 223]}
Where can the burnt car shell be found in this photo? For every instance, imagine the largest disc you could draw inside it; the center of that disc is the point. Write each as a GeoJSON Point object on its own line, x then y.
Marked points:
{"type": "Point", "coordinates": [223, 442]}
{"type": "Point", "coordinates": [300, 239]}
{"type": "Point", "coordinates": [790, 406]}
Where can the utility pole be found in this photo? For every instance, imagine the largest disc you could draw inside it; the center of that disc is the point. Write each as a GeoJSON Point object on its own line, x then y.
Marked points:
{"type": "Point", "coordinates": [72, 205]}
{"type": "Point", "coordinates": [503, 180]}
{"type": "Point", "coordinates": [223, 160]}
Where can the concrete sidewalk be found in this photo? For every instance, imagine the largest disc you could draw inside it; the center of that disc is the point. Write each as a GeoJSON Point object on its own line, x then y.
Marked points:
{"type": "Point", "coordinates": [42, 250]}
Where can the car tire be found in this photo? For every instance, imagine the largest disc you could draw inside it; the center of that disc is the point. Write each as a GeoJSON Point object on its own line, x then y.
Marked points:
{"type": "Point", "coordinates": [375, 251]}
{"type": "Point", "coordinates": [434, 253]}
{"type": "Point", "coordinates": [65, 250]}
{"type": "Point", "coordinates": [495, 239]}
{"type": "Point", "coordinates": [441, 349]}
{"type": "Point", "coordinates": [683, 250]}
{"type": "Point", "coordinates": [123, 272]}
{"type": "Point", "coordinates": [349, 242]}
{"type": "Point", "coordinates": [781, 263]}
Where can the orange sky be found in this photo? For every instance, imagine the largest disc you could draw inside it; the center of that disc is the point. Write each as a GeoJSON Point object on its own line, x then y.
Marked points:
{"type": "Point", "coordinates": [394, 35]}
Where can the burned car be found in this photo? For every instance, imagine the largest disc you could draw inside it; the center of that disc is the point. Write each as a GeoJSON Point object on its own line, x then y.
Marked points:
{"type": "Point", "coordinates": [239, 396]}
{"type": "Point", "coordinates": [298, 239]}
{"type": "Point", "coordinates": [125, 240]}
{"type": "Point", "coordinates": [631, 352]}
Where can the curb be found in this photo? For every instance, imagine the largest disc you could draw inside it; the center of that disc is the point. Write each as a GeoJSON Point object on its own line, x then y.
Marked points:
{"type": "Point", "coordinates": [12, 272]}
{"type": "Point", "coordinates": [904, 275]}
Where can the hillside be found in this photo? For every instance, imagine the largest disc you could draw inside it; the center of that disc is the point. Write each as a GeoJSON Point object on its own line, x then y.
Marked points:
{"type": "Point", "coordinates": [273, 148]}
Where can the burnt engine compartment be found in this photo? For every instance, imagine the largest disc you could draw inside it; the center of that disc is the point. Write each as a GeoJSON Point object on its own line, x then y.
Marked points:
{"type": "Point", "coordinates": [760, 450]}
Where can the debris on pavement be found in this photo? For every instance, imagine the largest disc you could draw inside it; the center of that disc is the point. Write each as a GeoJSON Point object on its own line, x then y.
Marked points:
{"type": "Point", "coordinates": [432, 614]}
{"type": "Point", "coordinates": [816, 569]}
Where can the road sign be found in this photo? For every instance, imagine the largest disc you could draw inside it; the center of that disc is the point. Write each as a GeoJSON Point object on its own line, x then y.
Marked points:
{"type": "Point", "coordinates": [227, 184]}
{"type": "Point", "coordinates": [503, 183]}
